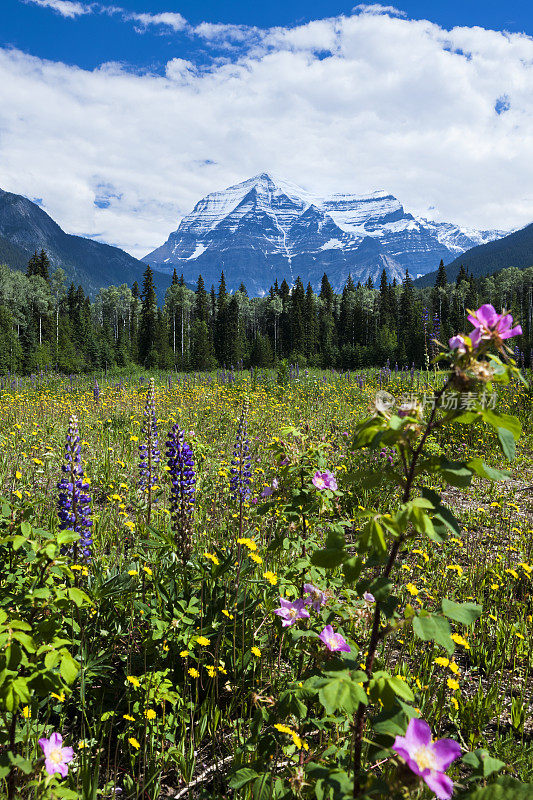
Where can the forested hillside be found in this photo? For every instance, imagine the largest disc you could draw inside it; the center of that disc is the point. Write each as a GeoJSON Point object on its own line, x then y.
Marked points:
{"type": "Point", "coordinates": [44, 323]}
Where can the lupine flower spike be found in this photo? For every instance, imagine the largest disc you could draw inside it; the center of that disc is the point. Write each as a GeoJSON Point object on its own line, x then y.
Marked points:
{"type": "Point", "coordinates": [182, 493]}
{"type": "Point", "coordinates": [74, 504]}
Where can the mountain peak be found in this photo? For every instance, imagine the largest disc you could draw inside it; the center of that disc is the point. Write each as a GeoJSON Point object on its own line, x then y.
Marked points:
{"type": "Point", "coordinates": [266, 228]}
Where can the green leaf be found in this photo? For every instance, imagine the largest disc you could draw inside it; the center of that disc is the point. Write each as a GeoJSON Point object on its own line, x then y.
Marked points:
{"type": "Point", "coordinates": [466, 613]}
{"type": "Point", "coordinates": [400, 688]}
{"type": "Point", "coordinates": [430, 627]}
{"type": "Point", "coordinates": [242, 777]}
{"type": "Point", "coordinates": [484, 471]}
{"type": "Point", "coordinates": [78, 596]}
{"type": "Point", "coordinates": [455, 473]}
{"type": "Point", "coordinates": [328, 558]}
{"type": "Point", "coordinates": [507, 442]}
{"type": "Point", "coordinates": [68, 668]}
{"type": "Point", "coordinates": [262, 787]}
{"type": "Point", "coordinates": [352, 568]}
{"type": "Point", "coordinates": [506, 421]}
{"type": "Point", "coordinates": [341, 690]}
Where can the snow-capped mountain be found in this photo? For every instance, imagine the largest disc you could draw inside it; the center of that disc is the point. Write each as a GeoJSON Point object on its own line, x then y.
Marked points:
{"type": "Point", "coordinates": [263, 229]}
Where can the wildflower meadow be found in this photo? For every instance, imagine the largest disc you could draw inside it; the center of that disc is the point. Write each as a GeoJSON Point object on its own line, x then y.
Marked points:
{"type": "Point", "coordinates": [270, 584]}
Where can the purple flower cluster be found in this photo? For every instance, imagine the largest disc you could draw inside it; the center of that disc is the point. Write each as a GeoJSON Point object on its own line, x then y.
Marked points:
{"type": "Point", "coordinates": [74, 504]}
{"type": "Point", "coordinates": [96, 391]}
{"type": "Point", "coordinates": [183, 486]}
{"type": "Point", "coordinates": [150, 455]}
{"type": "Point", "coordinates": [241, 462]}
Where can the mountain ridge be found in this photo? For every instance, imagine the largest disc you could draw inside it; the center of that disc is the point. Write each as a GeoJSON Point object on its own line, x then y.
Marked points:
{"type": "Point", "coordinates": [26, 227]}
{"type": "Point", "coordinates": [265, 229]}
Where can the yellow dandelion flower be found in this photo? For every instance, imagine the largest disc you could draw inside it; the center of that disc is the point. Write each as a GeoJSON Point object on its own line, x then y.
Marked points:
{"type": "Point", "coordinates": [134, 743]}
{"type": "Point", "coordinates": [458, 639]}
{"type": "Point", "coordinates": [271, 577]}
{"type": "Point", "coordinates": [193, 672]}
{"type": "Point", "coordinates": [128, 717]}
{"type": "Point", "coordinates": [256, 651]}
{"type": "Point", "coordinates": [452, 684]}
{"type": "Point", "coordinates": [202, 640]}
{"type": "Point", "coordinates": [411, 588]}
{"type": "Point", "coordinates": [212, 558]}
{"type": "Point", "coordinates": [150, 714]}
{"type": "Point", "coordinates": [133, 680]}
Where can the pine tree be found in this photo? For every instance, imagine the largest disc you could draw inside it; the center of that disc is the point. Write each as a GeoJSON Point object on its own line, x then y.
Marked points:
{"type": "Point", "coordinates": [148, 320]}
{"type": "Point", "coordinates": [442, 278]}
{"type": "Point", "coordinates": [201, 308]}
{"type": "Point", "coordinates": [174, 278]}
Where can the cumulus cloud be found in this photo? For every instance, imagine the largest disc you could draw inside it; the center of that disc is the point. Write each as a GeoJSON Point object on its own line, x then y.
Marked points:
{"type": "Point", "coordinates": [67, 8]}
{"type": "Point", "coordinates": [441, 118]}
{"type": "Point", "coordinates": [168, 19]}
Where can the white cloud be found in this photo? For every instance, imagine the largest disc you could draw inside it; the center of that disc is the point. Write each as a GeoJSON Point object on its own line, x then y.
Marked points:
{"type": "Point", "coordinates": [347, 104]}
{"type": "Point", "coordinates": [168, 19]}
{"type": "Point", "coordinates": [67, 8]}
{"type": "Point", "coordinates": [377, 8]}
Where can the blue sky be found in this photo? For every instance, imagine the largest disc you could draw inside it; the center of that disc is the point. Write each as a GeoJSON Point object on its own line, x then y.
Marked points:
{"type": "Point", "coordinates": [88, 40]}
{"type": "Point", "coordinates": [119, 116]}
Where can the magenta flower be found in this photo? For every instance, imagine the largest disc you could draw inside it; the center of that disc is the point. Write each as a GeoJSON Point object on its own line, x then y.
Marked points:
{"type": "Point", "coordinates": [488, 324]}
{"type": "Point", "coordinates": [56, 757]}
{"type": "Point", "coordinates": [458, 343]}
{"type": "Point", "coordinates": [427, 758]}
{"type": "Point", "coordinates": [368, 597]}
{"type": "Point", "coordinates": [317, 597]}
{"type": "Point", "coordinates": [334, 641]}
{"type": "Point", "coordinates": [325, 480]}
{"type": "Point", "coordinates": [291, 612]}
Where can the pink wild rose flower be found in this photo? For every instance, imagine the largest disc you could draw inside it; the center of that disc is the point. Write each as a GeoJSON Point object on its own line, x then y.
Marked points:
{"type": "Point", "coordinates": [325, 480]}
{"type": "Point", "coordinates": [488, 324]}
{"type": "Point", "coordinates": [334, 641]}
{"type": "Point", "coordinates": [291, 612]}
{"type": "Point", "coordinates": [427, 758]}
{"type": "Point", "coordinates": [316, 597]}
{"type": "Point", "coordinates": [56, 757]}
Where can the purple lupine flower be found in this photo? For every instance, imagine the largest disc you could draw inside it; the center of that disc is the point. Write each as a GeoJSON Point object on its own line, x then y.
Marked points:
{"type": "Point", "coordinates": [291, 612]}
{"type": "Point", "coordinates": [56, 757]}
{"type": "Point", "coordinates": [183, 483]}
{"type": "Point", "coordinates": [317, 598]}
{"type": "Point", "coordinates": [334, 641]}
{"type": "Point", "coordinates": [74, 504]}
{"type": "Point", "coordinates": [426, 758]}
{"type": "Point", "coordinates": [241, 463]}
{"type": "Point", "coordinates": [488, 324]}
{"type": "Point", "coordinates": [150, 455]}
{"type": "Point", "coordinates": [96, 391]}
{"type": "Point", "coordinates": [325, 480]}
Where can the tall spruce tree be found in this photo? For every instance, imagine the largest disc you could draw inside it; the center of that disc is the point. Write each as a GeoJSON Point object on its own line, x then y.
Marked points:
{"type": "Point", "coordinates": [148, 320]}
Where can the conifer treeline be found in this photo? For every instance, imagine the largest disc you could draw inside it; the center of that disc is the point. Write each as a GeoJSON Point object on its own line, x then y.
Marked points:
{"type": "Point", "coordinates": [44, 323]}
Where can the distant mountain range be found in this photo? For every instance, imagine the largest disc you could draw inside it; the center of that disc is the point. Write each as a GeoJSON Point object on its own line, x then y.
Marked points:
{"type": "Point", "coordinates": [514, 250]}
{"type": "Point", "coordinates": [25, 227]}
{"type": "Point", "coordinates": [263, 229]}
